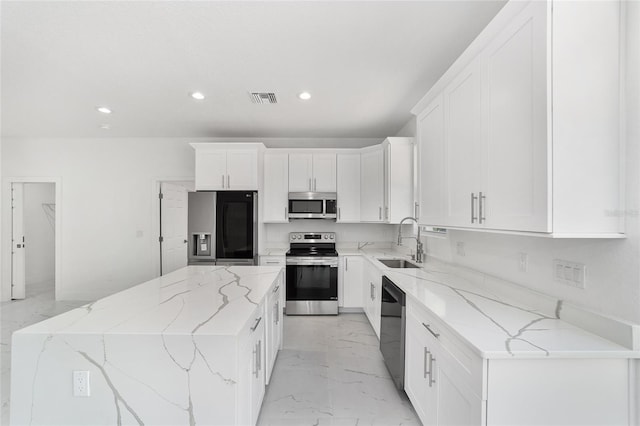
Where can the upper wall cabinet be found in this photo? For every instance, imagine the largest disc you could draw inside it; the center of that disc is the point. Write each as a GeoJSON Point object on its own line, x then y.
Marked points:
{"type": "Point", "coordinates": [276, 187]}
{"type": "Point", "coordinates": [348, 185]}
{"type": "Point", "coordinates": [398, 180]}
{"type": "Point", "coordinates": [372, 184]}
{"type": "Point", "coordinates": [222, 167]}
{"type": "Point", "coordinates": [312, 172]}
{"type": "Point", "coordinates": [522, 132]}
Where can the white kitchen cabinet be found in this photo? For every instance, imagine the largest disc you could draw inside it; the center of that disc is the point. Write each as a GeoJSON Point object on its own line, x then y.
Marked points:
{"type": "Point", "coordinates": [312, 172]}
{"type": "Point", "coordinates": [220, 167]}
{"type": "Point", "coordinates": [251, 387]}
{"type": "Point", "coordinates": [274, 327]}
{"type": "Point", "coordinates": [273, 260]}
{"type": "Point", "coordinates": [463, 147]}
{"type": "Point", "coordinates": [348, 187]}
{"type": "Point", "coordinates": [350, 281]}
{"type": "Point", "coordinates": [276, 187]}
{"type": "Point", "coordinates": [531, 125]}
{"type": "Point", "coordinates": [372, 290]}
{"type": "Point", "coordinates": [448, 383]}
{"type": "Point", "coordinates": [431, 149]}
{"type": "Point", "coordinates": [372, 184]}
{"type": "Point", "coordinates": [398, 179]}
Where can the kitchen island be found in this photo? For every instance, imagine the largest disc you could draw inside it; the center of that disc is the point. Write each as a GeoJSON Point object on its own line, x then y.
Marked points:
{"type": "Point", "coordinates": [186, 348]}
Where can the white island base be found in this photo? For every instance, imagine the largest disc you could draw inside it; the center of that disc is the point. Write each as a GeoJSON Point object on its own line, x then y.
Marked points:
{"type": "Point", "coordinates": [192, 347]}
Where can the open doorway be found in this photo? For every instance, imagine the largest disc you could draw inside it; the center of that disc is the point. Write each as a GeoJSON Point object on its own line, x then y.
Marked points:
{"type": "Point", "coordinates": [33, 239]}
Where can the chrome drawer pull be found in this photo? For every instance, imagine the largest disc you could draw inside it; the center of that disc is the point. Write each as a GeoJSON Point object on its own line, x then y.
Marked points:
{"type": "Point", "coordinates": [256, 324]}
{"type": "Point", "coordinates": [436, 335]}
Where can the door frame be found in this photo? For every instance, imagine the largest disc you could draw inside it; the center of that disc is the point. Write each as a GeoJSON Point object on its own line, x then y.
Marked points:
{"type": "Point", "coordinates": [5, 288]}
{"type": "Point", "coordinates": [155, 217]}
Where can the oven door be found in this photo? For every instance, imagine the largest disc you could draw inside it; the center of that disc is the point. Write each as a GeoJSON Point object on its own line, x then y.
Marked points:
{"type": "Point", "coordinates": [312, 286]}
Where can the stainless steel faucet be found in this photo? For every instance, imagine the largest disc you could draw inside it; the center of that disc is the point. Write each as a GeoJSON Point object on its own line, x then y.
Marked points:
{"type": "Point", "coordinates": [419, 245]}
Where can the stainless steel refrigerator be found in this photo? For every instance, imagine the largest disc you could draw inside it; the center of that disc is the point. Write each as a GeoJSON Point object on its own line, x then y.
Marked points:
{"type": "Point", "coordinates": [223, 228]}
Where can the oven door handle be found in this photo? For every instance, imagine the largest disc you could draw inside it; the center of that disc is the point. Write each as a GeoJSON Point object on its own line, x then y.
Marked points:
{"type": "Point", "coordinates": [333, 263]}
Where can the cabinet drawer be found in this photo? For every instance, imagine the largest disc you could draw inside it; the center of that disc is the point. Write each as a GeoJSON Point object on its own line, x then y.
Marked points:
{"type": "Point", "coordinates": [272, 261]}
{"type": "Point", "coordinates": [449, 350]}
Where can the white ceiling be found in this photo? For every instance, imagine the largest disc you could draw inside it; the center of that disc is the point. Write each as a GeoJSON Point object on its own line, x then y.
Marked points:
{"type": "Point", "coordinates": [365, 63]}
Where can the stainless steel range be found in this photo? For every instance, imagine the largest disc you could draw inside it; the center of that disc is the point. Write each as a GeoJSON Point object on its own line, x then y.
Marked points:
{"type": "Point", "coordinates": [312, 274]}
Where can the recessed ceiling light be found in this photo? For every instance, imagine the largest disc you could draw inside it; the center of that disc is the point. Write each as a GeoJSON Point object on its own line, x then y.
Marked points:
{"type": "Point", "coordinates": [304, 96]}
{"type": "Point", "coordinates": [197, 95]}
{"type": "Point", "coordinates": [104, 109]}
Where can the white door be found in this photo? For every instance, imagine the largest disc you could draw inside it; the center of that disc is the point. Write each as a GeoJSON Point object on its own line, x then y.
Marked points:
{"type": "Point", "coordinates": [348, 187]}
{"type": "Point", "coordinates": [173, 226]}
{"type": "Point", "coordinates": [242, 170]}
{"type": "Point", "coordinates": [300, 170]}
{"type": "Point", "coordinates": [18, 283]}
{"type": "Point", "coordinates": [324, 172]}
{"type": "Point", "coordinates": [276, 188]}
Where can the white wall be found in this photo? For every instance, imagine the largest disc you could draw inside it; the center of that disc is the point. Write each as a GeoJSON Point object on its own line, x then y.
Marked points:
{"type": "Point", "coordinates": [39, 232]}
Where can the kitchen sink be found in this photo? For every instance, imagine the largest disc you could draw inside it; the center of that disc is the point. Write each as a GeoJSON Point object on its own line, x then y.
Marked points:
{"type": "Point", "coordinates": [398, 263]}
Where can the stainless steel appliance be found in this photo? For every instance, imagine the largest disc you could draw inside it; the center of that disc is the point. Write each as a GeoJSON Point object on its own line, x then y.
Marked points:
{"type": "Point", "coordinates": [222, 228]}
{"type": "Point", "coordinates": [392, 327]}
{"type": "Point", "coordinates": [312, 274]}
{"type": "Point", "coordinates": [312, 205]}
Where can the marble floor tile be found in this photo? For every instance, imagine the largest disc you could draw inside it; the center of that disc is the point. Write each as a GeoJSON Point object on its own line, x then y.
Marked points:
{"type": "Point", "coordinates": [331, 372]}
{"type": "Point", "coordinates": [39, 305]}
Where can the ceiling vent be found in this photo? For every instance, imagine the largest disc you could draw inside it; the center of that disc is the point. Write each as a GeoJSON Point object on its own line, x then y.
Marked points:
{"type": "Point", "coordinates": [263, 98]}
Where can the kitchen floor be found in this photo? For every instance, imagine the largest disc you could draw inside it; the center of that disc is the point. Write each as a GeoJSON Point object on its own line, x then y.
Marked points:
{"type": "Point", "coordinates": [40, 304]}
{"type": "Point", "coordinates": [331, 372]}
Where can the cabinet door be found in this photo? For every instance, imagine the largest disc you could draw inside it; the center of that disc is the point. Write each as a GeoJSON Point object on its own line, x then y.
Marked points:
{"type": "Point", "coordinates": [375, 277]}
{"type": "Point", "coordinates": [211, 170]}
{"type": "Point", "coordinates": [372, 186]}
{"type": "Point", "coordinates": [352, 282]}
{"type": "Point", "coordinates": [348, 187]}
{"type": "Point", "coordinates": [515, 89]}
{"type": "Point", "coordinates": [276, 187]}
{"type": "Point", "coordinates": [242, 170]}
{"type": "Point", "coordinates": [463, 159]}
{"type": "Point", "coordinates": [273, 330]}
{"type": "Point", "coordinates": [431, 149]}
{"type": "Point", "coordinates": [398, 179]}
{"type": "Point", "coordinates": [416, 384]}
{"type": "Point", "coordinates": [258, 371]}
{"type": "Point", "coordinates": [456, 404]}
{"type": "Point", "coordinates": [324, 172]}
{"type": "Point", "coordinates": [300, 172]}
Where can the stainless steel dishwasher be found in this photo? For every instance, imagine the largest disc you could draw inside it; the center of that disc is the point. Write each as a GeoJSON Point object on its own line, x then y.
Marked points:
{"type": "Point", "coordinates": [392, 328]}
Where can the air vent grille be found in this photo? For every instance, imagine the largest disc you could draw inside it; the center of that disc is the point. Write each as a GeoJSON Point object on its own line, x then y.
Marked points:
{"type": "Point", "coordinates": [263, 98]}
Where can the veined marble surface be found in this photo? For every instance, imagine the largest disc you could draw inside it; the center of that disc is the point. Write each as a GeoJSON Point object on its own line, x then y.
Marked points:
{"type": "Point", "coordinates": [494, 324]}
{"type": "Point", "coordinates": [163, 352]}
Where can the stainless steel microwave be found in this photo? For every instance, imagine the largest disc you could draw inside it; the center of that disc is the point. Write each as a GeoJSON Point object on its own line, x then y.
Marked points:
{"type": "Point", "coordinates": [312, 205]}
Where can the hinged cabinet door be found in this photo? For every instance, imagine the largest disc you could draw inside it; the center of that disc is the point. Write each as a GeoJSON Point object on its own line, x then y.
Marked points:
{"type": "Point", "coordinates": [516, 190]}
{"type": "Point", "coordinates": [324, 172]}
{"type": "Point", "coordinates": [211, 170]}
{"type": "Point", "coordinates": [300, 172]}
{"type": "Point", "coordinates": [463, 148]}
{"type": "Point", "coordinates": [276, 188]}
{"type": "Point", "coordinates": [372, 186]}
{"type": "Point", "coordinates": [242, 170]}
{"type": "Point", "coordinates": [348, 187]}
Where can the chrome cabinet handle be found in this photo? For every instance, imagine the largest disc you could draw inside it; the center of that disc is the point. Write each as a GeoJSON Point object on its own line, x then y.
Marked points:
{"type": "Point", "coordinates": [473, 207]}
{"type": "Point", "coordinates": [256, 324]}
{"type": "Point", "coordinates": [481, 209]}
{"type": "Point", "coordinates": [272, 262]}
{"type": "Point", "coordinates": [315, 184]}
{"type": "Point", "coordinates": [222, 181]}
{"type": "Point", "coordinates": [338, 213]}
{"type": "Point", "coordinates": [255, 360]}
{"type": "Point", "coordinates": [416, 209]}
{"type": "Point", "coordinates": [346, 263]}
{"type": "Point", "coordinates": [431, 361]}
{"type": "Point", "coordinates": [380, 213]}
{"type": "Point", "coordinates": [275, 290]}
{"type": "Point", "coordinates": [436, 335]}
{"type": "Point", "coordinates": [386, 212]}
{"type": "Point", "coordinates": [228, 181]}
{"type": "Point", "coordinates": [277, 312]}
{"type": "Point", "coordinates": [424, 362]}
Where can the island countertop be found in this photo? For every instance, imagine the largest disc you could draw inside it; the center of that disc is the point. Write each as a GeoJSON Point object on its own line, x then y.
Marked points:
{"type": "Point", "coordinates": [199, 300]}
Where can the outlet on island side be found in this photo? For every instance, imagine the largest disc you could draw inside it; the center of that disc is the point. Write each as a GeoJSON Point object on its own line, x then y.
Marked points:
{"type": "Point", "coordinates": [81, 384]}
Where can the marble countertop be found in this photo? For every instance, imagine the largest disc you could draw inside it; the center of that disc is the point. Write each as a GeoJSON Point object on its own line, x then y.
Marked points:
{"type": "Point", "coordinates": [491, 322]}
{"type": "Point", "coordinates": [195, 300]}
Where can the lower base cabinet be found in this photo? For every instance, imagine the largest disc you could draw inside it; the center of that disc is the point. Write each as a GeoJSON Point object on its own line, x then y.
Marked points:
{"type": "Point", "coordinates": [449, 384]}
{"type": "Point", "coordinates": [274, 327]}
{"type": "Point", "coordinates": [372, 289]}
{"type": "Point", "coordinates": [350, 282]}
{"type": "Point", "coordinates": [251, 385]}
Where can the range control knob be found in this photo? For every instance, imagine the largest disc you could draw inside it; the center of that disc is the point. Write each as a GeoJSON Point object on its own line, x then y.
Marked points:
{"type": "Point", "coordinates": [325, 237]}
{"type": "Point", "coordinates": [331, 236]}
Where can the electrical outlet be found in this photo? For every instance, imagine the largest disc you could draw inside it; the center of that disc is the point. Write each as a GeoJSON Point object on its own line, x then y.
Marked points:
{"type": "Point", "coordinates": [460, 248]}
{"type": "Point", "coordinates": [81, 383]}
{"type": "Point", "coordinates": [569, 273]}
{"type": "Point", "coordinates": [523, 262]}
